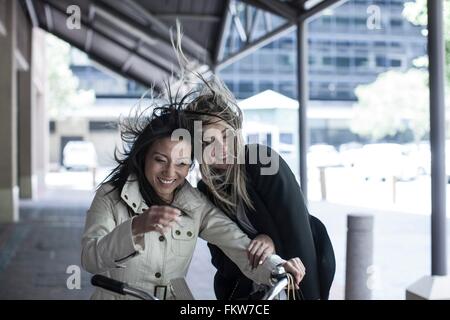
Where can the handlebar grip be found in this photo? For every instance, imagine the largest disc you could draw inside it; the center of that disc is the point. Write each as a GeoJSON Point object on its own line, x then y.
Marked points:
{"type": "Point", "coordinates": [108, 284]}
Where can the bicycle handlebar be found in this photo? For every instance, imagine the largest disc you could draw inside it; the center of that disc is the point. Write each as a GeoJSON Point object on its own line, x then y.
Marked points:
{"type": "Point", "coordinates": [120, 287]}
{"type": "Point", "coordinates": [108, 284]}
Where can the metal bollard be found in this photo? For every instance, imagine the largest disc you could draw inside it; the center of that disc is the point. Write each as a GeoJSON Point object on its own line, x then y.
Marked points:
{"type": "Point", "coordinates": [359, 257]}
{"type": "Point", "coordinates": [323, 184]}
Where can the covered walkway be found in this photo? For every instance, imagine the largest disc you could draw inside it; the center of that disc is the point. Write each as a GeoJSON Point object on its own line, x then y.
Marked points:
{"type": "Point", "coordinates": [40, 239]}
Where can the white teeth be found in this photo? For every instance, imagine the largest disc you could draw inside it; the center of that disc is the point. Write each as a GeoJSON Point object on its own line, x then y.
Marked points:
{"type": "Point", "coordinates": [166, 181]}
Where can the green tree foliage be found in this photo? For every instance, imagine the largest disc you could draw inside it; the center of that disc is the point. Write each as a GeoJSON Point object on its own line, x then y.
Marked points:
{"type": "Point", "coordinates": [62, 93]}
{"type": "Point", "coordinates": [398, 101]}
{"type": "Point", "coordinates": [395, 102]}
{"type": "Point", "coordinates": [416, 13]}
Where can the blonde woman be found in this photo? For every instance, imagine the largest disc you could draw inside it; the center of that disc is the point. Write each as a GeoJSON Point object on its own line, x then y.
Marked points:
{"type": "Point", "coordinates": [255, 187]}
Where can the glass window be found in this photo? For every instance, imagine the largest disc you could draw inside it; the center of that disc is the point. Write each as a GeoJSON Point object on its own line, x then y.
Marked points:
{"type": "Point", "coordinates": [396, 23]}
{"type": "Point", "coordinates": [361, 62]}
{"type": "Point", "coordinates": [343, 21]}
{"type": "Point", "coordinates": [265, 85]}
{"type": "Point", "coordinates": [381, 61]}
{"type": "Point", "coordinates": [245, 86]}
{"type": "Point", "coordinates": [396, 63]}
{"type": "Point", "coordinates": [287, 138]}
{"type": "Point", "coordinates": [286, 43]}
{"type": "Point", "coordinates": [246, 64]}
{"type": "Point", "coordinates": [287, 88]}
{"type": "Point", "coordinates": [267, 140]}
{"type": "Point", "coordinates": [342, 62]}
{"type": "Point", "coordinates": [266, 62]}
{"type": "Point", "coordinates": [252, 138]}
{"type": "Point", "coordinates": [327, 61]}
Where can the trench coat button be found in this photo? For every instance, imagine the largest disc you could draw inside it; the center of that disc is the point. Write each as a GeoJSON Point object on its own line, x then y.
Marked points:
{"type": "Point", "coordinates": [158, 275]}
{"type": "Point", "coordinates": [189, 234]}
{"type": "Point", "coordinates": [161, 238]}
{"type": "Point", "coordinates": [126, 197]}
{"type": "Point", "coordinates": [177, 232]}
{"type": "Point", "coordinates": [134, 205]}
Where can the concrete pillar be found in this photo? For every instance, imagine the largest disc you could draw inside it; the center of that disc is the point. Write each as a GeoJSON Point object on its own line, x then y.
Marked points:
{"type": "Point", "coordinates": [437, 285]}
{"type": "Point", "coordinates": [40, 116]}
{"type": "Point", "coordinates": [359, 256]}
{"type": "Point", "coordinates": [8, 117]}
{"type": "Point", "coordinates": [27, 179]}
{"type": "Point", "coordinates": [302, 96]}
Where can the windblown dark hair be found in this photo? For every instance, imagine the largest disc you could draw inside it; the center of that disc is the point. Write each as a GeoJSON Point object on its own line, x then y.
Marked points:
{"type": "Point", "coordinates": [138, 133]}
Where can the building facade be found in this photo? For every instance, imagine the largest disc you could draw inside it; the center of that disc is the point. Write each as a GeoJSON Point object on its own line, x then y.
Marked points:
{"type": "Point", "coordinates": [348, 46]}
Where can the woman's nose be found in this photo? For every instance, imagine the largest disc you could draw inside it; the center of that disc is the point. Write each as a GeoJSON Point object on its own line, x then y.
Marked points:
{"type": "Point", "coordinates": [170, 170]}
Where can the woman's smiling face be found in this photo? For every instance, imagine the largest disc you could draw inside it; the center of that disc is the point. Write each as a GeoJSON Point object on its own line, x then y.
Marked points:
{"type": "Point", "coordinates": [218, 145]}
{"type": "Point", "coordinates": [167, 164]}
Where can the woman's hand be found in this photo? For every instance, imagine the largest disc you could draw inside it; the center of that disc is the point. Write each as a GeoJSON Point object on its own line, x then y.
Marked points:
{"type": "Point", "coordinates": [296, 268]}
{"type": "Point", "coordinates": [156, 218]}
{"type": "Point", "coordinates": [259, 249]}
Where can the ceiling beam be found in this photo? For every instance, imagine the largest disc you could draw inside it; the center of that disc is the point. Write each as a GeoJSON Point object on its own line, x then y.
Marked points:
{"type": "Point", "coordinates": [308, 14]}
{"type": "Point", "coordinates": [224, 29]}
{"type": "Point", "coordinates": [32, 12]}
{"type": "Point", "coordinates": [261, 42]}
{"type": "Point", "coordinates": [48, 17]}
{"type": "Point", "coordinates": [109, 65]}
{"type": "Point", "coordinates": [90, 32]}
{"type": "Point", "coordinates": [282, 9]}
{"type": "Point", "coordinates": [189, 17]}
{"type": "Point", "coordinates": [191, 46]}
{"type": "Point", "coordinates": [154, 59]}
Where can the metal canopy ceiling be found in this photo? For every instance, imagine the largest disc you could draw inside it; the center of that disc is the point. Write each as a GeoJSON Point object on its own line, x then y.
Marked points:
{"type": "Point", "coordinates": [132, 37]}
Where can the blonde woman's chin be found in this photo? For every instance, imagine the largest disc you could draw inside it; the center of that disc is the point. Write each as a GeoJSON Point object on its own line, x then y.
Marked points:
{"type": "Point", "coordinates": [220, 166]}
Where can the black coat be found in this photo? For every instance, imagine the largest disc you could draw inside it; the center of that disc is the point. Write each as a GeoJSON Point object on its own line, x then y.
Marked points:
{"type": "Point", "coordinates": [281, 213]}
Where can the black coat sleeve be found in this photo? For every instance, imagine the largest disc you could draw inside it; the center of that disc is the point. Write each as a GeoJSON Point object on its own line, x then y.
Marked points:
{"type": "Point", "coordinates": [284, 200]}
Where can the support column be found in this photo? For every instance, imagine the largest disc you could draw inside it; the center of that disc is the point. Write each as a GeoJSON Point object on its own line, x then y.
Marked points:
{"type": "Point", "coordinates": [436, 286]}
{"type": "Point", "coordinates": [27, 178]}
{"type": "Point", "coordinates": [302, 96]}
{"type": "Point", "coordinates": [40, 116]}
{"type": "Point", "coordinates": [8, 117]}
{"type": "Point", "coordinates": [436, 57]}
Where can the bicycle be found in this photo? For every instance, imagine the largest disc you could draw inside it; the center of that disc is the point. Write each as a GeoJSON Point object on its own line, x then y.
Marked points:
{"type": "Point", "coordinates": [279, 281]}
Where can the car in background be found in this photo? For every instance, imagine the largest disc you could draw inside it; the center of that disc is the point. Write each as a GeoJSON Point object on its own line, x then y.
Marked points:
{"type": "Point", "coordinates": [349, 153]}
{"type": "Point", "coordinates": [79, 155]}
{"type": "Point", "coordinates": [383, 161]}
{"type": "Point", "coordinates": [323, 155]}
{"type": "Point", "coordinates": [420, 152]}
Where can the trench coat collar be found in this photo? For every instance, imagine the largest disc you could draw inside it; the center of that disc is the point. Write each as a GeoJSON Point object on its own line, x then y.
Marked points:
{"type": "Point", "coordinates": [186, 199]}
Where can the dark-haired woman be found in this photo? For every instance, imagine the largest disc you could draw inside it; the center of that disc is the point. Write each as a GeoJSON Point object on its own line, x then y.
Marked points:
{"type": "Point", "coordinates": [145, 218]}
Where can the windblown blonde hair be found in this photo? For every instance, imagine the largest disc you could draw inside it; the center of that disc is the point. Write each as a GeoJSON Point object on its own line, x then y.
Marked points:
{"type": "Point", "coordinates": [210, 102]}
{"type": "Point", "coordinates": [214, 103]}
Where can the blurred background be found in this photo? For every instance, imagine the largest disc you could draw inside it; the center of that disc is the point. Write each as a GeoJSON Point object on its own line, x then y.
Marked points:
{"type": "Point", "coordinates": [368, 127]}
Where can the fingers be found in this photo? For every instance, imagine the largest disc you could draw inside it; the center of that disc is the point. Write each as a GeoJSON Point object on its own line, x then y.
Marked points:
{"type": "Point", "coordinates": [252, 253]}
{"type": "Point", "coordinates": [162, 218]}
{"type": "Point", "coordinates": [264, 256]}
{"type": "Point", "coordinates": [300, 265]}
{"type": "Point", "coordinates": [258, 255]}
{"type": "Point", "coordinates": [296, 268]}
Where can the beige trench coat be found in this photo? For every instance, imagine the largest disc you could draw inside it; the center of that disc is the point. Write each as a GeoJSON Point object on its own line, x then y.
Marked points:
{"type": "Point", "coordinates": [152, 259]}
